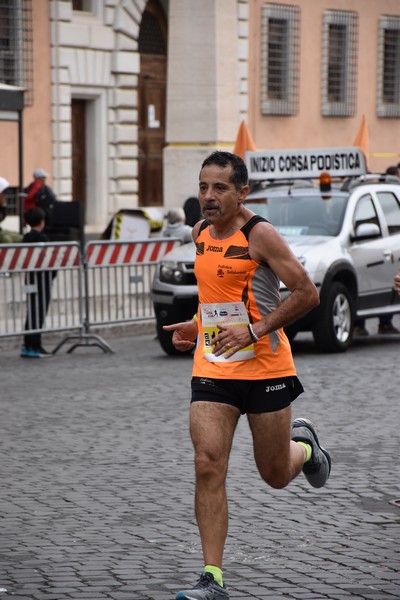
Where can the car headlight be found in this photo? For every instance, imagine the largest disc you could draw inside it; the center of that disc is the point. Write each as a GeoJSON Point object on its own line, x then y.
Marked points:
{"type": "Point", "coordinates": [171, 272]}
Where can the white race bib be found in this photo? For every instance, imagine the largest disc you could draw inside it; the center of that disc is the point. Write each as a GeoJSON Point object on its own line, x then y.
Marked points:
{"type": "Point", "coordinates": [229, 313]}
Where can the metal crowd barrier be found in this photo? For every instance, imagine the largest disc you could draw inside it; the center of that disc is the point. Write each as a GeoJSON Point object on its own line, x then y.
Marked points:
{"type": "Point", "coordinates": [29, 273]}
{"type": "Point", "coordinates": [109, 283]}
{"type": "Point", "coordinates": [118, 279]}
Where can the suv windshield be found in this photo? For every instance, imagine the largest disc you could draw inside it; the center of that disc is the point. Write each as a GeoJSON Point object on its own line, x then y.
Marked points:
{"type": "Point", "coordinates": [302, 214]}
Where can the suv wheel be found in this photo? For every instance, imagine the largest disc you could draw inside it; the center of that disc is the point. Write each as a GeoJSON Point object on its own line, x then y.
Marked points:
{"type": "Point", "coordinates": [334, 330]}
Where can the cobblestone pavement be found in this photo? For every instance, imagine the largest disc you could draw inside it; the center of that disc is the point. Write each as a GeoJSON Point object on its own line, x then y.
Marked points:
{"type": "Point", "coordinates": [97, 480]}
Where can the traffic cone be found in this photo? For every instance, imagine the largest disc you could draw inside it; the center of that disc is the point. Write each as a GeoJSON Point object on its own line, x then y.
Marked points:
{"type": "Point", "coordinates": [362, 139]}
{"type": "Point", "coordinates": [244, 141]}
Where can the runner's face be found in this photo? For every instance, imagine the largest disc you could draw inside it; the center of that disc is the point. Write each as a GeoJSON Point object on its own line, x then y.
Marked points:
{"type": "Point", "coordinates": [218, 197]}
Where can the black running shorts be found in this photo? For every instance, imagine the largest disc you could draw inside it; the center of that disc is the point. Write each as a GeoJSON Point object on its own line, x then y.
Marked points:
{"type": "Point", "coordinates": [249, 396]}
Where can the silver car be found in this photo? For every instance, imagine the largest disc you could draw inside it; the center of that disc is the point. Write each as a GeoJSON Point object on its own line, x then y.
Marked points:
{"type": "Point", "coordinates": [347, 237]}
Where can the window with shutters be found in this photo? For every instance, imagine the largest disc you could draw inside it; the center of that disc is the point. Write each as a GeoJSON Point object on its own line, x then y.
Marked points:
{"type": "Point", "coordinates": [388, 104]}
{"type": "Point", "coordinates": [16, 52]}
{"type": "Point", "coordinates": [280, 59]}
{"type": "Point", "coordinates": [339, 63]}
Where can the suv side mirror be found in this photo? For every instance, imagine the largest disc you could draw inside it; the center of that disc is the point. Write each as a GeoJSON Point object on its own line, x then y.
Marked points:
{"type": "Point", "coordinates": [366, 231]}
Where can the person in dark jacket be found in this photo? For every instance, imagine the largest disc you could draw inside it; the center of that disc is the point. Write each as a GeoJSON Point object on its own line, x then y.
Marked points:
{"type": "Point", "coordinates": [39, 291]}
{"type": "Point", "coordinates": [38, 193]}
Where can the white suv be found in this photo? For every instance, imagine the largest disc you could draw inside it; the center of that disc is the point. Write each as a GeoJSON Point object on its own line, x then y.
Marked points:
{"type": "Point", "coordinates": [346, 235]}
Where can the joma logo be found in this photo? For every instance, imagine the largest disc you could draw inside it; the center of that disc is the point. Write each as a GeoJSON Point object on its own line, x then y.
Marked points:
{"type": "Point", "coordinates": [274, 388]}
{"type": "Point", "coordinates": [214, 249]}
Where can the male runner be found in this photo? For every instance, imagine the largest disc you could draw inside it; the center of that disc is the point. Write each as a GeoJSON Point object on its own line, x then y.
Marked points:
{"type": "Point", "coordinates": [245, 365]}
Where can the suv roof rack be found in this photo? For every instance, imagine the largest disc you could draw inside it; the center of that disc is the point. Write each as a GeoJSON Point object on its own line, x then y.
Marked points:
{"type": "Point", "coordinates": [353, 182]}
{"type": "Point", "coordinates": [276, 183]}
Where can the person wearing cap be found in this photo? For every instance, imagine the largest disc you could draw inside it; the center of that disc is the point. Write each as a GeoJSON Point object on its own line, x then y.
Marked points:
{"type": "Point", "coordinates": [39, 194]}
{"type": "Point", "coordinates": [6, 237]}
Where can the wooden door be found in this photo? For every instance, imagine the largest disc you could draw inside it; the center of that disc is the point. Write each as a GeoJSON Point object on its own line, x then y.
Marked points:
{"type": "Point", "coordinates": [151, 129]}
{"type": "Point", "coordinates": [78, 125]}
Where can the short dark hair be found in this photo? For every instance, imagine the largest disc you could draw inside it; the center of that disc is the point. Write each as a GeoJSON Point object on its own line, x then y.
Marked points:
{"type": "Point", "coordinates": [239, 176]}
{"type": "Point", "coordinates": [34, 216]}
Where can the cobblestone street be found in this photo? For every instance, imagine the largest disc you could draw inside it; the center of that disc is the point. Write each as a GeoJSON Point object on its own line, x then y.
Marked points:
{"type": "Point", "coordinates": [97, 480]}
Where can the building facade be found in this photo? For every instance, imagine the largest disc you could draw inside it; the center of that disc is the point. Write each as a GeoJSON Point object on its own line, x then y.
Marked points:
{"type": "Point", "coordinates": [321, 71]}
{"type": "Point", "coordinates": [124, 98]}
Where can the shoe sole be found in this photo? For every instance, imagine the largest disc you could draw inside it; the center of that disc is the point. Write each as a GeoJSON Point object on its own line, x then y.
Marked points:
{"type": "Point", "coordinates": [301, 422]}
{"type": "Point", "coordinates": [36, 356]}
{"type": "Point", "coordinates": [183, 596]}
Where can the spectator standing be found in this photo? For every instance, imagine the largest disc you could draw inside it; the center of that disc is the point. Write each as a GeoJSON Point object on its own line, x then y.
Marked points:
{"type": "Point", "coordinates": [176, 226]}
{"type": "Point", "coordinates": [6, 237]}
{"type": "Point", "coordinates": [385, 326]}
{"type": "Point", "coordinates": [40, 283]}
{"type": "Point", "coordinates": [38, 193]}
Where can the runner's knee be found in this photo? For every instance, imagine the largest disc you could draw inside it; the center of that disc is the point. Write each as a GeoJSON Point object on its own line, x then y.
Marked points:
{"type": "Point", "coordinates": [209, 465]}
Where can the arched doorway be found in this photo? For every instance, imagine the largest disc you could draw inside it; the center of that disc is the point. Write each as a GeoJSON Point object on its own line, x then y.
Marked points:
{"type": "Point", "coordinates": [152, 100]}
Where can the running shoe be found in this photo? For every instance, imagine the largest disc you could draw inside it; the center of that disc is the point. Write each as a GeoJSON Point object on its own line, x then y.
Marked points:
{"type": "Point", "coordinates": [33, 353]}
{"type": "Point", "coordinates": [43, 351]}
{"type": "Point", "coordinates": [318, 468]}
{"type": "Point", "coordinates": [29, 353]}
{"type": "Point", "coordinates": [205, 589]}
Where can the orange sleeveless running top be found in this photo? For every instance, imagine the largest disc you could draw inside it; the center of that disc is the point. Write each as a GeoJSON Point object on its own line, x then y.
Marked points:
{"type": "Point", "coordinates": [225, 272]}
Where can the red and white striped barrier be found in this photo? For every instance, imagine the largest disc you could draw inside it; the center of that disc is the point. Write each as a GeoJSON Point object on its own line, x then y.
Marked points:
{"type": "Point", "coordinates": [114, 253]}
{"type": "Point", "coordinates": [38, 257]}
{"type": "Point", "coordinates": [79, 301]}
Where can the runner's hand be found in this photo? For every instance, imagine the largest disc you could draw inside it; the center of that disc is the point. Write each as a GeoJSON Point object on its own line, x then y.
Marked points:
{"type": "Point", "coordinates": [184, 334]}
{"type": "Point", "coordinates": [230, 339]}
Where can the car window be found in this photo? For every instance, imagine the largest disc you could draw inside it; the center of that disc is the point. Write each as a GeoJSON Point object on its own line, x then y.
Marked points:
{"type": "Point", "coordinates": [302, 215]}
{"type": "Point", "coordinates": [391, 208]}
{"type": "Point", "coordinates": [365, 212]}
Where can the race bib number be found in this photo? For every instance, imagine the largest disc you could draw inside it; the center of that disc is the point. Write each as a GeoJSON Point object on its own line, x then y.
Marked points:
{"type": "Point", "coordinates": [229, 313]}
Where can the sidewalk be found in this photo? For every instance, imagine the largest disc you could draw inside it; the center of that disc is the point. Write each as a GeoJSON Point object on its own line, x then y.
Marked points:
{"type": "Point", "coordinates": [97, 480]}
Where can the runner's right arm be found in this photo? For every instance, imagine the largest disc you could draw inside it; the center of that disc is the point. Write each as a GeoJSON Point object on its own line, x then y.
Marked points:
{"type": "Point", "coordinates": [184, 334]}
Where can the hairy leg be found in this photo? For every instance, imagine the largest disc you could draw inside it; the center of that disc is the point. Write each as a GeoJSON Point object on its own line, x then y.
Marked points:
{"type": "Point", "coordinates": [278, 459]}
{"type": "Point", "coordinates": [212, 426]}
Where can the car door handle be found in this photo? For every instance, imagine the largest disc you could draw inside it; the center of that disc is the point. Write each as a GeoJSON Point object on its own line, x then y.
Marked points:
{"type": "Point", "coordinates": [388, 254]}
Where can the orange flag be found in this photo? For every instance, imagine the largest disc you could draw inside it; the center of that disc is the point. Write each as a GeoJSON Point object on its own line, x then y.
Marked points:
{"type": "Point", "coordinates": [244, 141]}
{"type": "Point", "coordinates": [362, 139]}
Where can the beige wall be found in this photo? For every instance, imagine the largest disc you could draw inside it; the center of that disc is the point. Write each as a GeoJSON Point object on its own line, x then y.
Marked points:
{"type": "Point", "coordinates": [204, 83]}
{"type": "Point", "coordinates": [37, 121]}
{"type": "Point", "coordinates": [308, 128]}
{"type": "Point", "coordinates": [9, 151]}
{"type": "Point", "coordinates": [36, 118]}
